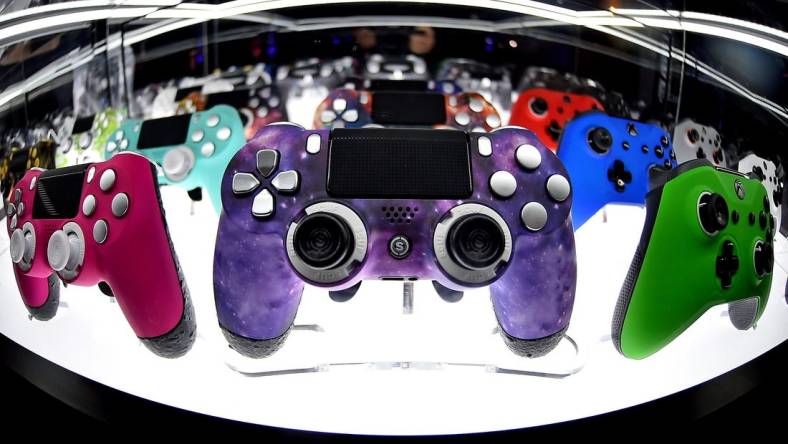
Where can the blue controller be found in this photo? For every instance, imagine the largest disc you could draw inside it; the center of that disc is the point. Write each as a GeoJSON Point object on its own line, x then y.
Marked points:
{"type": "Point", "coordinates": [608, 159]}
{"type": "Point", "coordinates": [189, 150]}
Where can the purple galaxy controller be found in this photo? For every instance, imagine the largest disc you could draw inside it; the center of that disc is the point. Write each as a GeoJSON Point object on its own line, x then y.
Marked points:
{"type": "Point", "coordinates": [334, 208]}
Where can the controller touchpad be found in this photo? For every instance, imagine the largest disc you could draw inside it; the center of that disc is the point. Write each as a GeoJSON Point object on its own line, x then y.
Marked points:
{"type": "Point", "coordinates": [396, 164]}
{"type": "Point", "coordinates": [58, 193]}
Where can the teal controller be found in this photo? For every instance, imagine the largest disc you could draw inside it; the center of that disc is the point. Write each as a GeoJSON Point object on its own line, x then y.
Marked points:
{"type": "Point", "coordinates": [190, 151]}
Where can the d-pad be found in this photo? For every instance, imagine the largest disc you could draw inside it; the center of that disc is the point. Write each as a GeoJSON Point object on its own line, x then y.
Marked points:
{"type": "Point", "coordinates": [700, 154]}
{"type": "Point", "coordinates": [619, 175]}
{"type": "Point", "coordinates": [727, 264]}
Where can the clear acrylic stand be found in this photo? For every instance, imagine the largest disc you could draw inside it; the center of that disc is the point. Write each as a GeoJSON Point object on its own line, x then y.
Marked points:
{"type": "Point", "coordinates": [422, 333]}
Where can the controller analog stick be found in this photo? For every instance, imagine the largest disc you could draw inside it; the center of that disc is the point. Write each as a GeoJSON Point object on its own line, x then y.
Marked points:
{"type": "Point", "coordinates": [600, 140]}
{"type": "Point", "coordinates": [323, 240]}
{"type": "Point", "coordinates": [693, 136]}
{"type": "Point", "coordinates": [712, 212]}
{"type": "Point", "coordinates": [21, 246]}
{"type": "Point", "coordinates": [476, 242]}
{"type": "Point", "coordinates": [178, 163]}
{"type": "Point", "coordinates": [63, 251]}
{"type": "Point", "coordinates": [539, 106]}
{"type": "Point", "coordinates": [764, 258]}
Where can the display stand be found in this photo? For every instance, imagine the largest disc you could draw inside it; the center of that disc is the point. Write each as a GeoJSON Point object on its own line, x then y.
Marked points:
{"type": "Point", "coordinates": [415, 337]}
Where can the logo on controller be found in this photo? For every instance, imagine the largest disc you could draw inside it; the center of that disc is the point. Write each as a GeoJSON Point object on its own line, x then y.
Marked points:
{"type": "Point", "coordinates": [399, 246]}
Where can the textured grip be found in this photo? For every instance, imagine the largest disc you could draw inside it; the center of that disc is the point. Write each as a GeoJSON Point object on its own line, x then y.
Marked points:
{"type": "Point", "coordinates": [625, 295]}
{"type": "Point", "coordinates": [255, 348]}
{"type": "Point", "coordinates": [533, 348]}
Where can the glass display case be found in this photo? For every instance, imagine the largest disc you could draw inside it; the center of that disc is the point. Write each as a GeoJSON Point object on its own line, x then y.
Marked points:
{"type": "Point", "coordinates": [562, 208]}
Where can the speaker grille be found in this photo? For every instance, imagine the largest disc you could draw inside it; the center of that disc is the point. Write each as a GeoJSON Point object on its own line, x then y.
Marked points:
{"type": "Point", "coordinates": [396, 215]}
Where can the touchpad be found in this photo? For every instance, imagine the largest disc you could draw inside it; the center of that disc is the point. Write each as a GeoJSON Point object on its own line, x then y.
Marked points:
{"type": "Point", "coordinates": [408, 108]}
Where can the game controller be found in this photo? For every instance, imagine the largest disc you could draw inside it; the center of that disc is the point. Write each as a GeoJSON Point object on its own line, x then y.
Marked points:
{"type": "Point", "coordinates": [334, 208]}
{"type": "Point", "coordinates": [347, 108]}
{"type": "Point", "coordinates": [408, 67]}
{"type": "Point", "coordinates": [258, 105]}
{"type": "Point", "coordinates": [608, 159]}
{"type": "Point", "coordinates": [694, 141]}
{"type": "Point", "coordinates": [546, 112]}
{"type": "Point", "coordinates": [18, 160]}
{"type": "Point", "coordinates": [88, 138]}
{"type": "Point", "coordinates": [493, 83]}
{"type": "Point", "coordinates": [766, 172]}
{"type": "Point", "coordinates": [707, 241]}
{"type": "Point", "coordinates": [190, 150]}
{"type": "Point", "coordinates": [101, 223]}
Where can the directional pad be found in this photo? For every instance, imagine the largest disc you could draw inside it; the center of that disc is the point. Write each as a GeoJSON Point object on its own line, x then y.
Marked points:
{"type": "Point", "coordinates": [263, 204]}
{"type": "Point", "coordinates": [286, 181]}
{"type": "Point", "coordinates": [727, 264]}
{"type": "Point", "coordinates": [244, 183]}
{"type": "Point", "coordinates": [267, 161]}
{"type": "Point", "coordinates": [619, 175]}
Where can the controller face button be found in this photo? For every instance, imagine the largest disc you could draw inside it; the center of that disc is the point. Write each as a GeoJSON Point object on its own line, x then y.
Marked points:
{"type": "Point", "coordinates": [273, 102]}
{"type": "Point", "coordinates": [503, 184]}
{"type": "Point", "coordinates": [600, 140]}
{"type": "Point", "coordinates": [323, 240]}
{"type": "Point", "coordinates": [727, 264]}
{"type": "Point", "coordinates": [350, 115]}
{"type": "Point", "coordinates": [462, 118]}
{"type": "Point", "coordinates": [207, 149]}
{"type": "Point", "coordinates": [120, 204]}
{"type": "Point", "coordinates": [244, 183]}
{"type": "Point", "coordinates": [327, 116]}
{"type": "Point", "coordinates": [11, 210]}
{"type": "Point", "coordinates": [198, 136]}
{"type": "Point", "coordinates": [558, 187]}
{"type": "Point", "coordinates": [399, 247]}
{"type": "Point", "coordinates": [100, 231]}
{"type": "Point", "coordinates": [119, 135]}
{"type": "Point", "coordinates": [254, 102]}
{"type": "Point", "coordinates": [493, 121]}
{"type": "Point", "coordinates": [619, 175]}
{"type": "Point", "coordinates": [267, 161]}
{"type": "Point", "coordinates": [212, 120]}
{"type": "Point", "coordinates": [262, 112]}
{"type": "Point", "coordinates": [476, 241]}
{"type": "Point", "coordinates": [224, 133]}
{"type": "Point", "coordinates": [313, 144]}
{"type": "Point", "coordinates": [538, 106]}
{"type": "Point", "coordinates": [107, 180]}
{"type": "Point", "coordinates": [89, 205]}
{"type": "Point", "coordinates": [528, 156]}
{"type": "Point", "coordinates": [263, 204]}
{"type": "Point", "coordinates": [91, 174]}
{"type": "Point", "coordinates": [534, 216]}
{"type": "Point", "coordinates": [659, 152]}
{"type": "Point", "coordinates": [17, 196]}
{"type": "Point", "coordinates": [484, 145]}
{"type": "Point", "coordinates": [751, 218]}
{"type": "Point", "coordinates": [111, 146]}
{"type": "Point", "coordinates": [124, 144]}
{"type": "Point", "coordinates": [476, 105]}
{"type": "Point", "coordinates": [13, 222]}
{"type": "Point", "coordinates": [339, 105]}
{"type": "Point", "coordinates": [763, 258]}
{"type": "Point", "coordinates": [21, 209]}
{"type": "Point", "coordinates": [452, 100]}
{"type": "Point", "coordinates": [33, 183]}
{"type": "Point", "coordinates": [735, 216]}
{"type": "Point", "coordinates": [286, 181]}
{"type": "Point", "coordinates": [712, 213]}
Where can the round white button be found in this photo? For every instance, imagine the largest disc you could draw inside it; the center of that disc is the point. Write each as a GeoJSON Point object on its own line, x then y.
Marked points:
{"type": "Point", "coordinates": [533, 216]}
{"type": "Point", "coordinates": [350, 115]}
{"type": "Point", "coordinates": [207, 149]}
{"type": "Point", "coordinates": [89, 205]}
{"type": "Point", "coordinates": [91, 173]}
{"type": "Point", "coordinates": [273, 102]}
{"type": "Point", "coordinates": [111, 146]}
{"type": "Point", "coordinates": [197, 136]}
{"type": "Point", "coordinates": [223, 133]}
{"type": "Point", "coordinates": [212, 120]}
{"type": "Point", "coordinates": [120, 204]}
{"type": "Point", "coordinates": [558, 187]}
{"type": "Point", "coordinates": [100, 231]}
{"type": "Point", "coordinates": [254, 102]}
{"type": "Point", "coordinates": [339, 105]}
{"type": "Point", "coordinates": [528, 156]}
{"type": "Point", "coordinates": [503, 184]}
{"type": "Point", "coordinates": [462, 118]}
{"type": "Point", "coordinates": [327, 116]}
{"type": "Point", "coordinates": [124, 144]}
{"type": "Point", "coordinates": [119, 135]}
{"type": "Point", "coordinates": [485, 146]}
{"type": "Point", "coordinates": [313, 143]}
{"type": "Point", "coordinates": [476, 105]}
{"type": "Point", "coordinates": [262, 112]}
{"type": "Point", "coordinates": [21, 210]}
{"type": "Point", "coordinates": [107, 180]}
{"type": "Point", "coordinates": [493, 121]}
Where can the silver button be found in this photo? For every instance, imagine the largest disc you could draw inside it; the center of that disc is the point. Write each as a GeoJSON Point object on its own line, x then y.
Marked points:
{"type": "Point", "coordinates": [207, 149]}
{"type": "Point", "coordinates": [363, 98]}
{"type": "Point", "coordinates": [212, 120]}
{"type": "Point", "coordinates": [84, 140]}
{"type": "Point", "coordinates": [244, 183]}
{"type": "Point", "coordinates": [339, 105]}
{"type": "Point", "coordinates": [327, 116]}
{"type": "Point", "coordinates": [485, 146]}
{"type": "Point", "coordinates": [448, 88]}
{"type": "Point", "coordinates": [33, 183]}
{"type": "Point", "coordinates": [273, 102]}
{"type": "Point", "coordinates": [453, 101]}
{"type": "Point", "coordinates": [558, 187]}
{"type": "Point", "coordinates": [350, 115]}
{"type": "Point", "coordinates": [263, 204]}
{"type": "Point", "coordinates": [528, 156]}
{"type": "Point", "coordinates": [89, 205]}
{"type": "Point", "coordinates": [267, 161]}
{"type": "Point", "coordinates": [313, 144]}
{"type": "Point", "coordinates": [533, 216]}
{"type": "Point", "coordinates": [224, 133]}
{"type": "Point", "coordinates": [11, 210]}
{"type": "Point", "coordinates": [476, 105]}
{"type": "Point", "coordinates": [17, 196]}
{"type": "Point", "coordinates": [503, 184]}
{"type": "Point", "coordinates": [100, 231]}
{"type": "Point", "coordinates": [478, 129]}
{"type": "Point", "coordinates": [462, 118]}
{"type": "Point", "coordinates": [254, 102]}
{"type": "Point", "coordinates": [262, 112]}
{"type": "Point", "coordinates": [265, 93]}
{"type": "Point", "coordinates": [119, 135]}
{"type": "Point", "coordinates": [197, 136]}
{"type": "Point", "coordinates": [120, 204]}
{"type": "Point", "coordinates": [493, 121]}
{"type": "Point", "coordinates": [286, 181]}
{"type": "Point", "coordinates": [91, 173]}
{"type": "Point", "coordinates": [21, 210]}
{"type": "Point", "coordinates": [124, 144]}
{"type": "Point", "coordinates": [111, 146]}
{"type": "Point", "coordinates": [107, 180]}
{"type": "Point", "coordinates": [13, 222]}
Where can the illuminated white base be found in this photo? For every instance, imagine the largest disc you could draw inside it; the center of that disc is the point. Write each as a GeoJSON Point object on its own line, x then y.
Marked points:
{"type": "Point", "coordinates": [90, 336]}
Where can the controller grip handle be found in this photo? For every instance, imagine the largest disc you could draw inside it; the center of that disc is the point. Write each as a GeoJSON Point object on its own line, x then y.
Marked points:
{"type": "Point", "coordinates": [41, 295]}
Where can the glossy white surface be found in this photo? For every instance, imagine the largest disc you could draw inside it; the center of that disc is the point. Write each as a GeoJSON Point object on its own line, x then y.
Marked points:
{"type": "Point", "coordinates": [90, 336]}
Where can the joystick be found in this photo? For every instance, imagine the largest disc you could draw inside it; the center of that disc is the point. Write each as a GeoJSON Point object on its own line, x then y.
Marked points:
{"type": "Point", "coordinates": [603, 165]}
{"type": "Point", "coordinates": [353, 218]}
{"type": "Point", "coordinates": [688, 210]}
{"type": "Point", "coordinates": [102, 223]}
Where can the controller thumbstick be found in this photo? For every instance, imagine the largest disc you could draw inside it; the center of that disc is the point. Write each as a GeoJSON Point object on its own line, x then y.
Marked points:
{"type": "Point", "coordinates": [764, 258]}
{"type": "Point", "coordinates": [20, 246]}
{"type": "Point", "coordinates": [713, 212]}
{"type": "Point", "coordinates": [600, 140]}
{"type": "Point", "coordinates": [63, 251]}
{"type": "Point", "coordinates": [178, 163]}
{"type": "Point", "coordinates": [693, 135]}
{"type": "Point", "coordinates": [476, 241]}
{"type": "Point", "coordinates": [539, 106]}
{"type": "Point", "coordinates": [323, 240]}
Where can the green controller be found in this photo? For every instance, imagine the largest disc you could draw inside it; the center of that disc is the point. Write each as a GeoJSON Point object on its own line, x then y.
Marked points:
{"type": "Point", "coordinates": [88, 138]}
{"type": "Point", "coordinates": [707, 241]}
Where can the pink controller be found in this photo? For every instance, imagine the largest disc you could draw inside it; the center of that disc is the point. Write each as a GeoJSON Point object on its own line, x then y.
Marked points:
{"type": "Point", "coordinates": [101, 223]}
